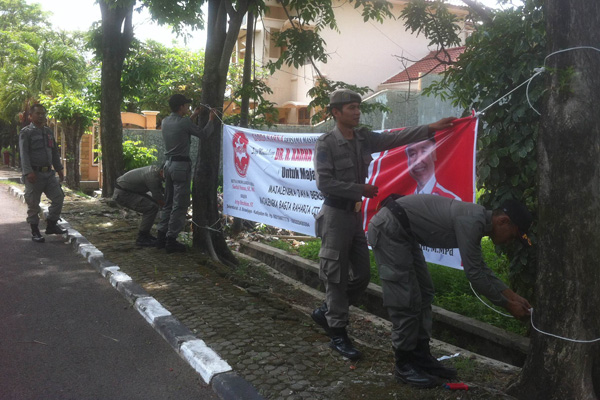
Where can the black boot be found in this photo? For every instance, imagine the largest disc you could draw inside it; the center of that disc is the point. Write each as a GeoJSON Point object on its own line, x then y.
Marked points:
{"type": "Point", "coordinates": [407, 372]}
{"type": "Point", "coordinates": [145, 239]}
{"type": "Point", "coordinates": [341, 343]}
{"type": "Point", "coordinates": [423, 359]}
{"type": "Point", "coordinates": [318, 315]}
{"type": "Point", "coordinates": [52, 228]}
{"type": "Point", "coordinates": [161, 239]}
{"type": "Point", "coordinates": [173, 246]}
{"type": "Point", "coordinates": [36, 235]}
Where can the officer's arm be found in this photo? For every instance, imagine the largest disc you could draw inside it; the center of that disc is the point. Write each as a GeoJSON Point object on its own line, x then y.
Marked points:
{"type": "Point", "coordinates": [24, 151]}
{"type": "Point", "coordinates": [201, 133]}
{"type": "Point", "coordinates": [55, 155]}
{"type": "Point", "coordinates": [389, 140]}
{"type": "Point", "coordinates": [326, 179]}
{"type": "Point", "coordinates": [154, 184]}
{"type": "Point", "coordinates": [469, 231]}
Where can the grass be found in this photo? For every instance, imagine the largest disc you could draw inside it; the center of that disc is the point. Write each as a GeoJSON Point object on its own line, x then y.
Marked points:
{"type": "Point", "coordinates": [452, 288]}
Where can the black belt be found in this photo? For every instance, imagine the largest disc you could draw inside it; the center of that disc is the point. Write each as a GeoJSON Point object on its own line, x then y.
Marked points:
{"type": "Point", "coordinates": [179, 158]}
{"type": "Point", "coordinates": [342, 204]}
{"type": "Point", "coordinates": [398, 211]}
{"type": "Point", "coordinates": [42, 169]}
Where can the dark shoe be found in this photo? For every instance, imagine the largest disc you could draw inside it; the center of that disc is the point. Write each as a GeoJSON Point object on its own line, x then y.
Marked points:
{"type": "Point", "coordinates": [422, 358]}
{"type": "Point", "coordinates": [36, 235]}
{"type": "Point", "coordinates": [318, 315]}
{"type": "Point", "coordinates": [161, 240]}
{"type": "Point", "coordinates": [406, 372]}
{"type": "Point", "coordinates": [413, 376]}
{"type": "Point", "coordinates": [173, 246]}
{"type": "Point", "coordinates": [52, 228]}
{"type": "Point", "coordinates": [145, 239]}
{"type": "Point", "coordinates": [341, 343]}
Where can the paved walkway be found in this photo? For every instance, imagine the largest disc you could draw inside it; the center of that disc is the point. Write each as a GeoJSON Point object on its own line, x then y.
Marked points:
{"type": "Point", "coordinates": [260, 325]}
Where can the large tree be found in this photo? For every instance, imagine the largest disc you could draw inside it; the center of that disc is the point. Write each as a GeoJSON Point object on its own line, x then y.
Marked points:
{"type": "Point", "coordinates": [116, 35]}
{"type": "Point", "coordinates": [302, 42]}
{"type": "Point", "coordinates": [566, 300]}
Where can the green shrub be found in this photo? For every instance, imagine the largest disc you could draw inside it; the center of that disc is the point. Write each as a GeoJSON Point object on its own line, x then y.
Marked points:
{"type": "Point", "coordinates": [136, 156]}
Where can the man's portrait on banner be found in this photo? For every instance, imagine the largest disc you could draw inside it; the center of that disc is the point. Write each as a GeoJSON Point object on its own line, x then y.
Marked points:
{"type": "Point", "coordinates": [421, 158]}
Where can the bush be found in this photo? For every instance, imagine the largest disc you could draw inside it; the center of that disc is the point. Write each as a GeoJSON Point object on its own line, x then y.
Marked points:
{"type": "Point", "coordinates": [136, 156]}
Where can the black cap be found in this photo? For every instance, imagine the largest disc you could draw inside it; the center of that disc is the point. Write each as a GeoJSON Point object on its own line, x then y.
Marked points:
{"type": "Point", "coordinates": [521, 217]}
{"type": "Point", "coordinates": [344, 96]}
{"type": "Point", "coordinates": [177, 100]}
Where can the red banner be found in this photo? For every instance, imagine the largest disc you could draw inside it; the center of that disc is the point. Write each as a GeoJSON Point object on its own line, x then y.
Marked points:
{"type": "Point", "coordinates": [443, 166]}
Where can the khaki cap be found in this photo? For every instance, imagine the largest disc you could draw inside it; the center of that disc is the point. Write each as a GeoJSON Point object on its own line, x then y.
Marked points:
{"type": "Point", "coordinates": [344, 96]}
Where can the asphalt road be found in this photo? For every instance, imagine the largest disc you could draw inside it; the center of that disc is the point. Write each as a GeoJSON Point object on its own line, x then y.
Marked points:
{"type": "Point", "coordinates": [66, 333]}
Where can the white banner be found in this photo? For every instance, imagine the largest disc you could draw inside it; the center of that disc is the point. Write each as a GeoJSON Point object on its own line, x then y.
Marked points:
{"type": "Point", "coordinates": [268, 177]}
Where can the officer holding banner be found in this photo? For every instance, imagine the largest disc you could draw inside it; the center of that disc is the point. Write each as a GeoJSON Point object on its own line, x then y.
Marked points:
{"type": "Point", "coordinates": [396, 233]}
{"type": "Point", "coordinates": [341, 166]}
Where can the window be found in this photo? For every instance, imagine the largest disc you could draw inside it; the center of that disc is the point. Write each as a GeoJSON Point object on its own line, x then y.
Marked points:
{"type": "Point", "coordinates": [303, 116]}
{"type": "Point", "coordinates": [274, 50]}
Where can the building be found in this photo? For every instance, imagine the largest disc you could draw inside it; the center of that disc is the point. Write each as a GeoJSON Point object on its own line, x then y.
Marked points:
{"type": "Point", "coordinates": [361, 53]}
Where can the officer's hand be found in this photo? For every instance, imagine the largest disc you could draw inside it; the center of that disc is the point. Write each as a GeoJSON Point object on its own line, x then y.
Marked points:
{"type": "Point", "coordinates": [442, 124]}
{"type": "Point", "coordinates": [31, 177]}
{"type": "Point", "coordinates": [518, 310]}
{"type": "Point", "coordinates": [161, 203]}
{"type": "Point", "coordinates": [512, 296]}
{"type": "Point", "coordinates": [370, 191]}
{"type": "Point", "coordinates": [212, 115]}
{"type": "Point", "coordinates": [61, 175]}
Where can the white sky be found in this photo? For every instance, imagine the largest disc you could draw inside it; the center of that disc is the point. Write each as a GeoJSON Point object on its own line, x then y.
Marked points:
{"type": "Point", "coordinates": [80, 14]}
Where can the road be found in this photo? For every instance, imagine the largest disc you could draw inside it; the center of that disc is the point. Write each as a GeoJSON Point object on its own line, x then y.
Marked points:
{"type": "Point", "coordinates": [66, 333]}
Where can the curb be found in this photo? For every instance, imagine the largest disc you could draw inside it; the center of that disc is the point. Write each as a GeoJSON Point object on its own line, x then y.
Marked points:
{"type": "Point", "coordinates": [215, 371]}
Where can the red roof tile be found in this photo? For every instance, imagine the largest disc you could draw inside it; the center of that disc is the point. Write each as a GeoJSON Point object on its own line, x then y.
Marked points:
{"type": "Point", "coordinates": [429, 64]}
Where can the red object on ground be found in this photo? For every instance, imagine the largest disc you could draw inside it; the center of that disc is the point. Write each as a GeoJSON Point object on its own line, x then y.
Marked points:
{"type": "Point", "coordinates": [457, 386]}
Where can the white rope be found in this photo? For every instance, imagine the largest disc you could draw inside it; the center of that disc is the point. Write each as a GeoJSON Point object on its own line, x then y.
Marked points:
{"type": "Point", "coordinates": [210, 109]}
{"type": "Point", "coordinates": [487, 305]}
{"type": "Point", "coordinates": [532, 324]}
{"type": "Point", "coordinates": [559, 337]}
{"type": "Point", "coordinates": [537, 71]}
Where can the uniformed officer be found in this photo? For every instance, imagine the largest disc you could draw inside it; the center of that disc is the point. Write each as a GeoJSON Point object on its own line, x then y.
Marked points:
{"type": "Point", "coordinates": [39, 161]}
{"type": "Point", "coordinates": [396, 233]}
{"type": "Point", "coordinates": [341, 165]}
{"type": "Point", "coordinates": [177, 132]}
{"type": "Point", "coordinates": [131, 191]}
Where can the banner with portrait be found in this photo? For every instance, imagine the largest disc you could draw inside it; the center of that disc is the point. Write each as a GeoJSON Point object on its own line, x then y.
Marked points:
{"type": "Point", "coordinates": [269, 177]}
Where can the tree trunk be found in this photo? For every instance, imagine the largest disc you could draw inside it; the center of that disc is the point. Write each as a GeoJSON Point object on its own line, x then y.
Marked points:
{"type": "Point", "coordinates": [117, 34]}
{"type": "Point", "coordinates": [223, 26]}
{"type": "Point", "coordinates": [73, 133]}
{"type": "Point", "coordinates": [567, 300]}
{"type": "Point", "coordinates": [245, 107]}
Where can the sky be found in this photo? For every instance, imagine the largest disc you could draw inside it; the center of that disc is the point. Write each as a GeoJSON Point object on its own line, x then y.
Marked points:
{"type": "Point", "coordinates": [80, 14]}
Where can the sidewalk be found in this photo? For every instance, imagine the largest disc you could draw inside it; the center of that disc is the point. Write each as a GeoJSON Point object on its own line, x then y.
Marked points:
{"type": "Point", "coordinates": [260, 325]}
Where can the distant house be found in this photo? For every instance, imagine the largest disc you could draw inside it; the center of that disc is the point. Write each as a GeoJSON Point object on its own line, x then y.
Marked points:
{"type": "Point", "coordinates": [361, 53]}
{"type": "Point", "coordinates": [433, 63]}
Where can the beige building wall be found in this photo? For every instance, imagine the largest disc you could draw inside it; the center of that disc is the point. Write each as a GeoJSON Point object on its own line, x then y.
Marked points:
{"type": "Point", "coordinates": [361, 53]}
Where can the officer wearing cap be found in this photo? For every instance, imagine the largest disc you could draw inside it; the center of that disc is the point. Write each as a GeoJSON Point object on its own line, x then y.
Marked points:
{"type": "Point", "coordinates": [341, 165]}
{"type": "Point", "coordinates": [177, 132]}
{"type": "Point", "coordinates": [40, 158]}
{"type": "Point", "coordinates": [396, 233]}
{"type": "Point", "coordinates": [131, 191]}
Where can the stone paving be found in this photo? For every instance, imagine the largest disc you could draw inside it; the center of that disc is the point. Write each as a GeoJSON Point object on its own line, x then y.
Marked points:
{"type": "Point", "coordinates": [260, 325]}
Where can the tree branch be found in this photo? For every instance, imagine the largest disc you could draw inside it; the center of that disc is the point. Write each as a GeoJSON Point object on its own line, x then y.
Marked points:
{"type": "Point", "coordinates": [482, 12]}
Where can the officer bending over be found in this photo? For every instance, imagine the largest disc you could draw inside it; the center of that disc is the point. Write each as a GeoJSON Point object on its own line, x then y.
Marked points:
{"type": "Point", "coordinates": [131, 191]}
{"type": "Point", "coordinates": [395, 234]}
{"type": "Point", "coordinates": [39, 155]}
{"type": "Point", "coordinates": [341, 166]}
